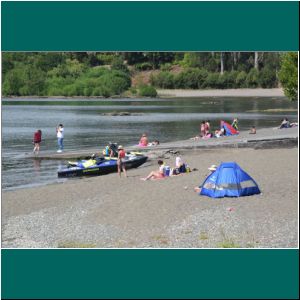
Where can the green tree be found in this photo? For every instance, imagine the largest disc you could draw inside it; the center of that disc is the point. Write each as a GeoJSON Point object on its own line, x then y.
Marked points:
{"type": "Point", "coordinates": [118, 64]}
{"type": "Point", "coordinates": [267, 78]}
{"type": "Point", "coordinates": [252, 78]}
{"type": "Point", "coordinates": [147, 91]}
{"type": "Point", "coordinates": [13, 82]}
{"type": "Point", "coordinates": [288, 75]}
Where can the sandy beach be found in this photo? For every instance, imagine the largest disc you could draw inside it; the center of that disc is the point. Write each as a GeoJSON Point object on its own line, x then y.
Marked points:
{"type": "Point", "coordinates": [173, 93]}
{"type": "Point", "coordinates": [258, 92]}
{"type": "Point", "coordinates": [112, 212]}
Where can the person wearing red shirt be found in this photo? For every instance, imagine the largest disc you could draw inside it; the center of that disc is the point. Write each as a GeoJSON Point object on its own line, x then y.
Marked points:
{"type": "Point", "coordinates": [120, 163]}
{"type": "Point", "coordinates": [37, 139]}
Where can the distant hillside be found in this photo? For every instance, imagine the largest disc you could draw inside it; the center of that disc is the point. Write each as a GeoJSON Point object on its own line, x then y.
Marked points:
{"type": "Point", "coordinates": [135, 73]}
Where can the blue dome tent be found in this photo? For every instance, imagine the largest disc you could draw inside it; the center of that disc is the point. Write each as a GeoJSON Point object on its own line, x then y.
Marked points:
{"type": "Point", "coordinates": [229, 180]}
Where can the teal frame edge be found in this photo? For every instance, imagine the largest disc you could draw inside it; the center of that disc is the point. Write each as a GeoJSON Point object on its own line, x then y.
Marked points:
{"type": "Point", "coordinates": [146, 26]}
{"type": "Point", "coordinates": [150, 26]}
{"type": "Point", "coordinates": [150, 274]}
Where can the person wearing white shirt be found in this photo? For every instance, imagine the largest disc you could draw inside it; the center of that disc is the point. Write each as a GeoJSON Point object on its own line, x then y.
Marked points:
{"type": "Point", "coordinates": [60, 137]}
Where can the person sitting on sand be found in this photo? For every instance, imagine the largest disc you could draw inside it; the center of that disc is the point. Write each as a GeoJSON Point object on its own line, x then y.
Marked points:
{"type": "Point", "coordinates": [156, 174]}
{"type": "Point", "coordinates": [208, 135]}
{"type": "Point", "coordinates": [143, 141]}
{"type": "Point", "coordinates": [212, 168]}
{"type": "Point", "coordinates": [219, 133]}
{"type": "Point", "coordinates": [197, 137]}
{"type": "Point", "coordinates": [252, 130]}
{"type": "Point", "coordinates": [207, 128]}
{"type": "Point", "coordinates": [180, 165]}
{"type": "Point", "coordinates": [285, 123]}
{"type": "Point", "coordinates": [154, 143]}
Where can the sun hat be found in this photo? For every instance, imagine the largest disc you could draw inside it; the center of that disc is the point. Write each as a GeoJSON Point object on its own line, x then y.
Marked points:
{"type": "Point", "coordinates": [120, 147]}
{"type": "Point", "coordinates": [212, 168]}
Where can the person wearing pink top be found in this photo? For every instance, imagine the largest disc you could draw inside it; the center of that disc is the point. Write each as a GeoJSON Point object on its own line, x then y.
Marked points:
{"type": "Point", "coordinates": [143, 141]}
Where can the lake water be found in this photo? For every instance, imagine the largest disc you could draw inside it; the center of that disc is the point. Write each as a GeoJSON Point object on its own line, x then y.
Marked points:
{"type": "Point", "coordinates": [87, 127]}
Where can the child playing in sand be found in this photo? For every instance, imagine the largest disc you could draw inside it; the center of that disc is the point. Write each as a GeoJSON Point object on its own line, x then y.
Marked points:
{"type": "Point", "coordinates": [156, 174]}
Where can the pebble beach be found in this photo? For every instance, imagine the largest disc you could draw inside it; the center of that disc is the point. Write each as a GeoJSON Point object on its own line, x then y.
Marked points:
{"type": "Point", "coordinates": [112, 212]}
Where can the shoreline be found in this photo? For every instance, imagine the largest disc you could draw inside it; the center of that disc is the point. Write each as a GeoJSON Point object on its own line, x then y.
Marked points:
{"type": "Point", "coordinates": [259, 92]}
{"type": "Point", "coordinates": [112, 212]}
{"type": "Point", "coordinates": [264, 138]}
{"type": "Point", "coordinates": [172, 93]}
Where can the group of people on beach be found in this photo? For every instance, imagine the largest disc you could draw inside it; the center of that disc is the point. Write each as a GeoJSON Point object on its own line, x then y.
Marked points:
{"type": "Point", "coordinates": [165, 171]}
{"type": "Point", "coordinates": [206, 132]}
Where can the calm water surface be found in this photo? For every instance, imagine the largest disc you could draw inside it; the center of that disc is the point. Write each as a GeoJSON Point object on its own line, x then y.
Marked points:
{"type": "Point", "coordinates": [87, 127]}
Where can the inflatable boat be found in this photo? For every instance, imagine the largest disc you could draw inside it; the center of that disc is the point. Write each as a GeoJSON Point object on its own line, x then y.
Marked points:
{"type": "Point", "coordinates": [100, 166]}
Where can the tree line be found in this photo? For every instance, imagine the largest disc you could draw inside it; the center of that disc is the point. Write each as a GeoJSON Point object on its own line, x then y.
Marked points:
{"type": "Point", "coordinates": [110, 73]}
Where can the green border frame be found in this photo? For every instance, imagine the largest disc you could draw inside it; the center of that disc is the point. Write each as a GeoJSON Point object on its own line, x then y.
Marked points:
{"type": "Point", "coordinates": [133, 274]}
{"type": "Point", "coordinates": [150, 26]}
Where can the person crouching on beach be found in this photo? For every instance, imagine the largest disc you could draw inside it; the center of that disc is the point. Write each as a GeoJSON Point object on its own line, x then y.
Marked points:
{"type": "Point", "coordinates": [37, 139]}
{"type": "Point", "coordinates": [120, 163]}
{"type": "Point", "coordinates": [156, 174]}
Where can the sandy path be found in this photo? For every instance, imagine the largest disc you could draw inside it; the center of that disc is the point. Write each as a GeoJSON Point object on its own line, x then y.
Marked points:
{"type": "Point", "coordinates": [278, 92]}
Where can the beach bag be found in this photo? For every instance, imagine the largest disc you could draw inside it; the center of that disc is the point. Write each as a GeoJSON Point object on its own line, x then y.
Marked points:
{"type": "Point", "coordinates": [167, 171]}
{"type": "Point", "coordinates": [182, 168]}
{"type": "Point", "coordinates": [175, 171]}
{"type": "Point", "coordinates": [187, 168]}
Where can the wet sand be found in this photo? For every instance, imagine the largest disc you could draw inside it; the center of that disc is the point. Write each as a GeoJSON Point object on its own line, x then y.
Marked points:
{"type": "Point", "coordinates": [112, 212]}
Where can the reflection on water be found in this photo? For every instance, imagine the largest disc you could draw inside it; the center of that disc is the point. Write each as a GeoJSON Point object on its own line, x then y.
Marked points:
{"type": "Point", "coordinates": [37, 165]}
{"type": "Point", "coordinates": [87, 126]}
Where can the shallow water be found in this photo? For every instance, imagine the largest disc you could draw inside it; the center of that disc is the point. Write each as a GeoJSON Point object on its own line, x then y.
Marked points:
{"type": "Point", "coordinates": [86, 127]}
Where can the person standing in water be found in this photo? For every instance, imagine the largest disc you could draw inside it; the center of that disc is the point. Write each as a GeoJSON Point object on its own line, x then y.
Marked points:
{"type": "Point", "coordinates": [60, 137]}
{"type": "Point", "coordinates": [37, 139]}
{"type": "Point", "coordinates": [120, 163]}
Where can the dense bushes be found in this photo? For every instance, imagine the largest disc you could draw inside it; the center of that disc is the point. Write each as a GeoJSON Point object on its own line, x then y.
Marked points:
{"type": "Point", "coordinates": [147, 91]}
{"type": "Point", "coordinates": [66, 80]}
{"type": "Point", "coordinates": [194, 78]}
{"type": "Point", "coordinates": [107, 73]}
{"type": "Point", "coordinates": [143, 66]}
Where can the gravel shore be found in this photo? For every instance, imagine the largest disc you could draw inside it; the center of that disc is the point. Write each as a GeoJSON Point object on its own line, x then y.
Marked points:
{"type": "Point", "coordinates": [277, 92]}
{"type": "Point", "coordinates": [112, 212]}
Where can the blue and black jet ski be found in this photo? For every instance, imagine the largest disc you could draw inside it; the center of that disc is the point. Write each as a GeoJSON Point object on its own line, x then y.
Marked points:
{"type": "Point", "coordinates": [100, 166]}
